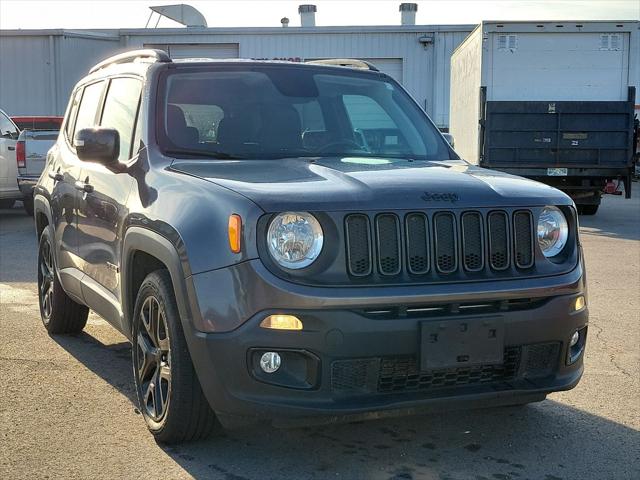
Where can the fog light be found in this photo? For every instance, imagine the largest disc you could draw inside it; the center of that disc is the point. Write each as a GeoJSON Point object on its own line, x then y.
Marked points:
{"type": "Point", "coordinates": [580, 303]}
{"type": "Point", "coordinates": [281, 322]}
{"type": "Point", "coordinates": [270, 362]}
{"type": "Point", "coordinates": [574, 339]}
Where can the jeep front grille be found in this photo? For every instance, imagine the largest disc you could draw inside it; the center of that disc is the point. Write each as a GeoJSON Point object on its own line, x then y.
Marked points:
{"type": "Point", "coordinates": [441, 244]}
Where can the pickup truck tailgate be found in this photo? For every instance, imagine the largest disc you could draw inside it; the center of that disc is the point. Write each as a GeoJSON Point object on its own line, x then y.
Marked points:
{"type": "Point", "coordinates": [37, 144]}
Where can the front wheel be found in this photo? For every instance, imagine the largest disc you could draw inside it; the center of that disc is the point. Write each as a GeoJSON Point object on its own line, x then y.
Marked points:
{"type": "Point", "coordinates": [588, 209]}
{"type": "Point", "coordinates": [27, 202]}
{"type": "Point", "coordinates": [59, 313]}
{"type": "Point", "coordinates": [169, 393]}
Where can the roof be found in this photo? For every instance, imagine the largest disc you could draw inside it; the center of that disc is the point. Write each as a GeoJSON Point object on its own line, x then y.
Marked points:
{"type": "Point", "coordinates": [113, 34]}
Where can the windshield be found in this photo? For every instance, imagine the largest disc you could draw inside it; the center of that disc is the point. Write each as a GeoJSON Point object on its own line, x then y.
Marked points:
{"type": "Point", "coordinates": [276, 111]}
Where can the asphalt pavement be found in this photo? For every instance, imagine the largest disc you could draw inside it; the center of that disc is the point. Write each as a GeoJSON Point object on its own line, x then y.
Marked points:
{"type": "Point", "coordinates": [67, 403]}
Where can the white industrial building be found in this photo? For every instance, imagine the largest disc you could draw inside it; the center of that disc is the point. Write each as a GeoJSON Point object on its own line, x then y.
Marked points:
{"type": "Point", "coordinates": [38, 68]}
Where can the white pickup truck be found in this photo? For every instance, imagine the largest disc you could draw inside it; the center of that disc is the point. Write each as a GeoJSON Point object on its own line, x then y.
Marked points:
{"type": "Point", "coordinates": [9, 191]}
{"type": "Point", "coordinates": [31, 155]}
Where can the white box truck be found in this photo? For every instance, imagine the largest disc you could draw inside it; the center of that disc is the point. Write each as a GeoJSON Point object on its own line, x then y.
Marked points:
{"type": "Point", "coordinates": [552, 101]}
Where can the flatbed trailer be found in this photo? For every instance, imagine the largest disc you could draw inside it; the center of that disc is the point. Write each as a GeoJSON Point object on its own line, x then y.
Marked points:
{"type": "Point", "coordinates": [551, 101]}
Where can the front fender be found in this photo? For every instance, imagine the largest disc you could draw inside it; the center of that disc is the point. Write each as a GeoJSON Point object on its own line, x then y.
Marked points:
{"type": "Point", "coordinates": [158, 246]}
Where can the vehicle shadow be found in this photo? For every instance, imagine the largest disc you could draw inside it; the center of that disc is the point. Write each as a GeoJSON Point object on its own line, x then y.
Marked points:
{"type": "Point", "coordinates": [18, 248]}
{"type": "Point", "coordinates": [548, 440]}
{"type": "Point", "coordinates": [111, 362]}
{"type": "Point", "coordinates": [617, 217]}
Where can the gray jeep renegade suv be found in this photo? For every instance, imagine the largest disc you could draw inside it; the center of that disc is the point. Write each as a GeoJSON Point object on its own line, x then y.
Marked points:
{"type": "Point", "coordinates": [298, 242]}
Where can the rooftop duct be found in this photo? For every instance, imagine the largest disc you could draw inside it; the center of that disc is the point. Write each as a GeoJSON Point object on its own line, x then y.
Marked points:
{"type": "Point", "coordinates": [181, 13]}
{"type": "Point", "coordinates": [307, 15]}
{"type": "Point", "coordinates": [408, 13]}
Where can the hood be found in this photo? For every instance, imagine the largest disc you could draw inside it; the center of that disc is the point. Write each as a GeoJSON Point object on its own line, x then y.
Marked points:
{"type": "Point", "coordinates": [356, 183]}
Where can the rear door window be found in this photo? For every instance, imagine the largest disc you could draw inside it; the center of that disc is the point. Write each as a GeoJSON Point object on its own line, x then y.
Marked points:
{"type": "Point", "coordinates": [86, 117]}
{"type": "Point", "coordinates": [120, 108]}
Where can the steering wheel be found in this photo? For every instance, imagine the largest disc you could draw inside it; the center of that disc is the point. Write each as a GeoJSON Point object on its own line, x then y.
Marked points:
{"type": "Point", "coordinates": [339, 143]}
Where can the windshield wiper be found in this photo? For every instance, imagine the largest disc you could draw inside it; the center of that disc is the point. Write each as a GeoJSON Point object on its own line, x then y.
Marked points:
{"type": "Point", "coordinates": [204, 153]}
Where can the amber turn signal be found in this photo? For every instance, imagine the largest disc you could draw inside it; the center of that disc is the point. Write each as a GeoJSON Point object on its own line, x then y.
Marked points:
{"type": "Point", "coordinates": [281, 322]}
{"type": "Point", "coordinates": [235, 233]}
{"type": "Point", "coordinates": [580, 303]}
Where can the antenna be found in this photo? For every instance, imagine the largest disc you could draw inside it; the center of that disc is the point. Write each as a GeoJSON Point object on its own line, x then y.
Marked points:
{"type": "Point", "coordinates": [181, 13]}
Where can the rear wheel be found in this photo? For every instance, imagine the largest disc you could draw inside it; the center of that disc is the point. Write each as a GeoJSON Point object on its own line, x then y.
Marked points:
{"type": "Point", "coordinates": [169, 393]}
{"type": "Point", "coordinates": [59, 313]}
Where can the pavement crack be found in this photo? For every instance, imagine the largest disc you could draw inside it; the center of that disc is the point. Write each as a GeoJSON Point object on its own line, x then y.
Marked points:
{"type": "Point", "coordinates": [612, 357]}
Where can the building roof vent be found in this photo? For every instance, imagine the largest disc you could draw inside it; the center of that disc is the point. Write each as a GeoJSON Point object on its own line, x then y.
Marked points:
{"type": "Point", "coordinates": [307, 15]}
{"type": "Point", "coordinates": [408, 13]}
{"type": "Point", "coordinates": [285, 22]}
{"type": "Point", "coordinates": [181, 13]}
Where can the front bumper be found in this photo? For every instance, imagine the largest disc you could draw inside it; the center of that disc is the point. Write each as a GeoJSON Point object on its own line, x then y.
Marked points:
{"type": "Point", "coordinates": [341, 361]}
{"type": "Point", "coordinates": [26, 184]}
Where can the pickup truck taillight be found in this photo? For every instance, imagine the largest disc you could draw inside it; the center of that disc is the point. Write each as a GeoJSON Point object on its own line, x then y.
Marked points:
{"type": "Point", "coordinates": [20, 154]}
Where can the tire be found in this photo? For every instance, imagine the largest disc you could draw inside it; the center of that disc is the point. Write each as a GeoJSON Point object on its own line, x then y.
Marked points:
{"type": "Point", "coordinates": [588, 209]}
{"type": "Point", "coordinates": [59, 313]}
{"type": "Point", "coordinates": [28, 205]}
{"type": "Point", "coordinates": [7, 203]}
{"type": "Point", "coordinates": [169, 393]}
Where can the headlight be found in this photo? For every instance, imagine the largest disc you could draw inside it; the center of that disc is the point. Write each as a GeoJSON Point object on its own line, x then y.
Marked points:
{"type": "Point", "coordinates": [553, 231]}
{"type": "Point", "coordinates": [295, 239]}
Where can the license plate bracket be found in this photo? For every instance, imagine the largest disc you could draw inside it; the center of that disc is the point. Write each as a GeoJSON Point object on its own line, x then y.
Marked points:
{"type": "Point", "coordinates": [461, 343]}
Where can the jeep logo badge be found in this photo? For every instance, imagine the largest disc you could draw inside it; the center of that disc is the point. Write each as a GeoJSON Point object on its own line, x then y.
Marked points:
{"type": "Point", "coordinates": [440, 197]}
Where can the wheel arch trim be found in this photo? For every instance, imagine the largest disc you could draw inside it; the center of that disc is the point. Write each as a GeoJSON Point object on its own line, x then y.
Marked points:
{"type": "Point", "coordinates": [140, 239]}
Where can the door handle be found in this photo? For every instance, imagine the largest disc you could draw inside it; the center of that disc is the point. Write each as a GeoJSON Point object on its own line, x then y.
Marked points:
{"type": "Point", "coordinates": [84, 187]}
{"type": "Point", "coordinates": [11, 148]}
{"type": "Point", "coordinates": [56, 176]}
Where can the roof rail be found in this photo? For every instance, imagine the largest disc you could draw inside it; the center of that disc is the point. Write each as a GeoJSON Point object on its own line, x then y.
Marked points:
{"type": "Point", "coordinates": [133, 55]}
{"type": "Point", "coordinates": [345, 62]}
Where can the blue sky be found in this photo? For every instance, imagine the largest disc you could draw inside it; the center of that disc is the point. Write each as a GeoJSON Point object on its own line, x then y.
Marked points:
{"type": "Point", "coordinates": [133, 13]}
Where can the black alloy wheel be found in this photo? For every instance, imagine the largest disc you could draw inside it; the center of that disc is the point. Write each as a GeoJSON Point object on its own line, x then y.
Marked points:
{"type": "Point", "coordinates": [46, 278]}
{"type": "Point", "coordinates": [153, 362]}
{"type": "Point", "coordinates": [169, 393]}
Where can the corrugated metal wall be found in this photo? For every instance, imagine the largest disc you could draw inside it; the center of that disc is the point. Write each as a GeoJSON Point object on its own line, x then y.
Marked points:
{"type": "Point", "coordinates": [37, 72]}
{"type": "Point", "coordinates": [425, 69]}
{"type": "Point", "coordinates": [29, 84]}
{"type": "Point", "coordinates": [26, 75]}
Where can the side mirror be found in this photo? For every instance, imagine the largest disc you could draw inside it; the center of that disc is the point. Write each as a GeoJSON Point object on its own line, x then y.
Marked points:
{"type": "Point", "coordinates": [98, 144]}
{"type": "Point", "coordinates": [449, 138]}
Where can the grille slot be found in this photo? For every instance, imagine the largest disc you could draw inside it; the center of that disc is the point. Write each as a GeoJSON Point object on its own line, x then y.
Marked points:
{"type": "Point", "coordinates": [401, 374]}
{"type": "Point", "coordinates": [443, 245]}
{"type": "Point", "coordinates": [472, 241]}
{"type": "Point", "coordinates": [540, 359]}
{"type": "Point", "coordinates": [498, 240]}
{"type": "Point", "coordinates": [417, 243]}
{"type": "Point", "coordinates": [523, 239]}
{"type": "Point", "coordinates": [388, 236]}
{"type": "Point", "coordinates": [445, 242]}
{"type": "Point", "coordinates": [358, 245]}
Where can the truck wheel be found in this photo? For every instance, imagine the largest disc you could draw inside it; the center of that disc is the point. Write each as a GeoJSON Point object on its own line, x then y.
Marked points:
{"type": "Point", "coordinates": [59, 313]}
{"type": "Point", "coordinates": [169, 393]}
{"type": "Point", "coordinates": [588, 209]}
{"type": "Point", "coordinates": [28, 205]}
{"type": "Point", "coordinates": [7, 203]}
